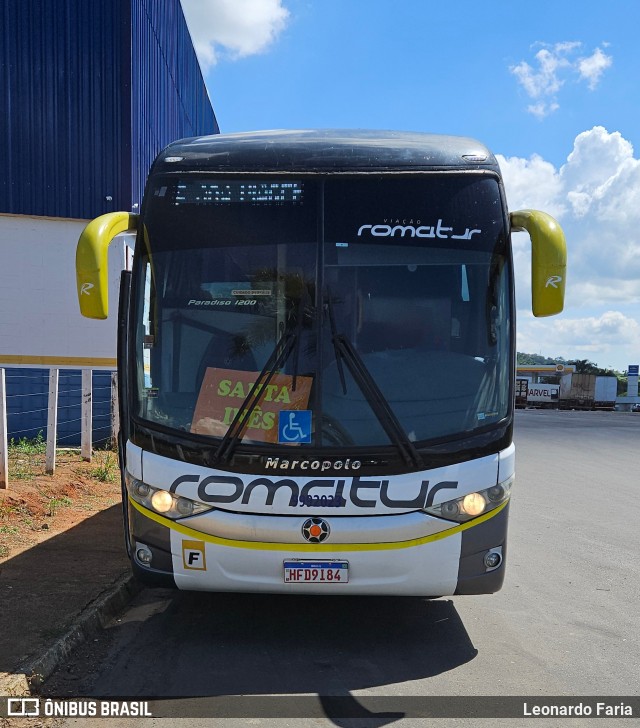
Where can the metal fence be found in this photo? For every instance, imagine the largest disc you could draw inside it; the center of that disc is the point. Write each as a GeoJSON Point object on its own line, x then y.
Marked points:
{"type": "Point", "coordinates": [38, 402]}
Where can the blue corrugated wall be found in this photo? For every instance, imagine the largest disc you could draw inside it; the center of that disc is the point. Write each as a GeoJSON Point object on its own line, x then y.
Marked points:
{"type": "Point", "coordinates": [91, 91]}
{"type": "Point", "coordinates": [62, 122]}
{"type": "Point", "coordinates": [169, 99]}
{"type": "Point", "coordinates": [27, 405]}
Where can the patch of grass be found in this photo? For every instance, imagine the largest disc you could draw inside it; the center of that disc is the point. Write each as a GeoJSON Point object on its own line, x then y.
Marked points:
{"type": "Point", "coordinates": [106, 468]}
{"type": "Point", "coordinates": [7, 509]}
{"type": "Point", "coordinates": [24, 469]}
{"type": "Point", "coordinates": [25, 457]}
{"type": "Point", "coordinates": [9, 529]}
{"type": "Point", "coordinates": [35, 446]}
{"type": "Point", "coordinates": [56, 503]}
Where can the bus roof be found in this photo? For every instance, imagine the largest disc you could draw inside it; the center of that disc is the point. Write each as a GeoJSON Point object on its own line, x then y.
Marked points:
{"type": "Point", "coordinates": [325, 150]}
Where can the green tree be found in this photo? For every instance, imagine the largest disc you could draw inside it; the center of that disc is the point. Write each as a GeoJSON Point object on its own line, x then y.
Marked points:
{"type": "Point", "coordinates": [532, 360]}
{"type": "Point", "coordinates": [584, 366]}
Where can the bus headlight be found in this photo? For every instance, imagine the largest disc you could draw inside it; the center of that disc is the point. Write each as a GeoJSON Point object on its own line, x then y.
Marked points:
{"type": "Point", "coordinates": [162, 501]}
{"type": "Point", "coordinates": [474, 504]}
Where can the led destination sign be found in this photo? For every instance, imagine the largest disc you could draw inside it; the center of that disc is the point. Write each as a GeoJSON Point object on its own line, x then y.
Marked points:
{"type": "Point", "coordinates": [233, 192]}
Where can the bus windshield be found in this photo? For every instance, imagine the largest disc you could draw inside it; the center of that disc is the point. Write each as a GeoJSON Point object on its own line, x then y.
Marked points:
{"type": "Point", "coordinates": [371, 287]}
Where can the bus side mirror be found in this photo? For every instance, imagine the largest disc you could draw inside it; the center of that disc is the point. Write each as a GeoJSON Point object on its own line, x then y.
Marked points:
{"type": "Point", "coordinates": [92, 273]}
{"type": "Point", "coordinates": [548, 260]}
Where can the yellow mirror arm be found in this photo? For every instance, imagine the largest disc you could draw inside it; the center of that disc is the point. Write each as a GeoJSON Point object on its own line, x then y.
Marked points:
{"type": "Point", "coordinates": [548, 260]}
{"type": "Point", "coordinates": [92, 273]}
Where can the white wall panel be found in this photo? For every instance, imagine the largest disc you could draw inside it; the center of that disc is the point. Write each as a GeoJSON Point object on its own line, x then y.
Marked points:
{"type": "Point", "coordinates": [39, 314]}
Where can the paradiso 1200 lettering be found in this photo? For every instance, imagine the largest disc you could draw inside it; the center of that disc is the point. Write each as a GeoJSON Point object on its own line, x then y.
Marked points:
{"type": "Point", "coordinates": [362, 492]}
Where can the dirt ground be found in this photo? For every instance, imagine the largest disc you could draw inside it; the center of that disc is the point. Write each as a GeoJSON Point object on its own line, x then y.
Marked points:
{"type": "Point", "coordinates": [37, 506]}
{"type": "Point", "coordinates": [45, 521]}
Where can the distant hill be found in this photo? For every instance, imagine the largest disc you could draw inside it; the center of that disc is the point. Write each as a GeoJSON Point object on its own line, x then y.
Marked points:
{"type": "Point", "coordinates": [582, 366]}
{"type": "Point", "coordinates": [533, 360]}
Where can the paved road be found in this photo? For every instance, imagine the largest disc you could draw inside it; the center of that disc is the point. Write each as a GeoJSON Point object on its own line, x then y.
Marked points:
{"type": "Point", "coordinates": [566, 621]}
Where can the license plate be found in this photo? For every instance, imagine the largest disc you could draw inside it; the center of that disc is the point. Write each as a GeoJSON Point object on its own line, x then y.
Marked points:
{"type": "Point", "coordinates": [316, 572]}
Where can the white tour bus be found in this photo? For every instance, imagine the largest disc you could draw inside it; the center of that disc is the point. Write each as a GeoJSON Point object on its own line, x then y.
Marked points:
{"type": "Point", "coordinates": [316, 362]}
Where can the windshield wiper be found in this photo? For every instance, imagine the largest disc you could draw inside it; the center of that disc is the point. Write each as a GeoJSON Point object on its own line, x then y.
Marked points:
{"type": "Point", "coordinates": [276, 360]}
{"type": "Point", "coordinates": [302, 307]}
{"type": "Point", "coordinates": [336, 348]}
{"type": "Point", "coordinates": [288, 342]}
{"type": "Point", "coordinates": [345, 351]}
{"type": "Point", "coordinates": [492, 301]}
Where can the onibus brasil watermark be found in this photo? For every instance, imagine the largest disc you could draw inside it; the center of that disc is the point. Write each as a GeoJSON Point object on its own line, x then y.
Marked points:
{"type": "Point", "coordinates": [80, 708]}
{"type": "Point", "coordinates": [320, 706]}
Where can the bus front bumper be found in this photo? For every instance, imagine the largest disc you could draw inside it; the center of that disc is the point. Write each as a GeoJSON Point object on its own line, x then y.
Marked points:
{"type": "Point", "coordinates": [447, 565]}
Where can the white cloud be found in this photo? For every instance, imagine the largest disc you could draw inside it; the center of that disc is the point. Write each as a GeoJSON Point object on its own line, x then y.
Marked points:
{"type": "Point", "coordinates": [597, 157]}
{"type": "Point", "coordinates": [592, 67]}
{"type": "Point", "coordinates": [612, 338]}
{"type": "Point", "coordinates": [533, 183]}
{"type": "Point", "coordinates": [543, 108]}
{"type": "Point", "coordinates": [596, 197]}
{"type": "Point", "coordinates": [554, 65]}
{"type": "Point", "coordinates": [233, 28]}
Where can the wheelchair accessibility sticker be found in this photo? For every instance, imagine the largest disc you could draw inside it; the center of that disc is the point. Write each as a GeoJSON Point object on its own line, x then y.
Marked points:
{"type": "Point", "coordinates": [294, 426]}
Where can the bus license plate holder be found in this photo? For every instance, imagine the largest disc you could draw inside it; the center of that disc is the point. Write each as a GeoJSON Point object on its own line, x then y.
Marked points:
{"type": "Point", "coordinates": [323, 571]}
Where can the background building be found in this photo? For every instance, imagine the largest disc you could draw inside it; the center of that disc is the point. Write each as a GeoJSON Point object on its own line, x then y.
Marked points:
{"type": "Point", "coordinates": [91, 92]}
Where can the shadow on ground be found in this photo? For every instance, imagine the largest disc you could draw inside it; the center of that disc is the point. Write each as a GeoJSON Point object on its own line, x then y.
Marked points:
{"type": "Point", "coordinates": [173, 645]}
{"type": "Point", "coordinates": [43, 589]}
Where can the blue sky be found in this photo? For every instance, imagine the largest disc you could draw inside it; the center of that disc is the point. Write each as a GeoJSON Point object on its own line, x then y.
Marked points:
{"type": "Point", "coordinates": [550, 87]}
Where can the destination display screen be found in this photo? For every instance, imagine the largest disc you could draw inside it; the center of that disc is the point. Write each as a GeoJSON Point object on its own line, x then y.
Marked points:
{"type": "Point", "coordinates": [233, 192]}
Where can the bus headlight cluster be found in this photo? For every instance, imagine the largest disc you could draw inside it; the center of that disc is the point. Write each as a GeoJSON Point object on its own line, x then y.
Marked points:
{"type": "Point", "coordinates": [162, 501]}
{"type": "Point", "coordinates": [474, 504]}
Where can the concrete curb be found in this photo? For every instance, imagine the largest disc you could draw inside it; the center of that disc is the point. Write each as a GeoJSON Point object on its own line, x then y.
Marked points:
{"type": "Point", "coordinates": [29, 676]}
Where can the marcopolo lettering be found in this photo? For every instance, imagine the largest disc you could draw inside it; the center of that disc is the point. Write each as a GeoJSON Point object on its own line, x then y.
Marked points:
{"type": "Point", "coordinates": [361, 492]}
{"type": "Point", "coordinates": [322, 465]}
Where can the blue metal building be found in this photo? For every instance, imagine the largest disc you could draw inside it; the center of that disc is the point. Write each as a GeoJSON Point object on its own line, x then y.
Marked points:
{"type": "Point", "coordinates": [91, 91]}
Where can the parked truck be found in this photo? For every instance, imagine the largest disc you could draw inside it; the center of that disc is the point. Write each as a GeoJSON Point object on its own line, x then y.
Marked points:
{"type": "Point", "coordinates": [575, 391]}
{"type": "Point", "coordinates": [543, 395]}
{"type": "Point", "coordinates": [587, 392]}
{"type": "Point", "coordinates": [532, 394]}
